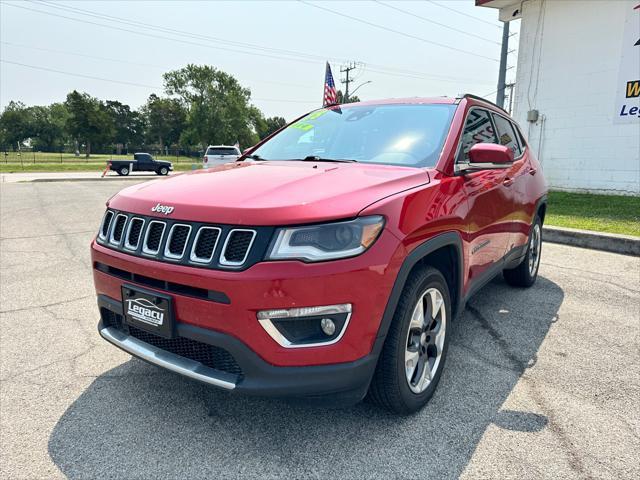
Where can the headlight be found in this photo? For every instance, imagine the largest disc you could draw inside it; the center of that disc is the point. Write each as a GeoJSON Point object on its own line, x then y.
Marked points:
{"type": "Point", "coordinates": [326, 242]}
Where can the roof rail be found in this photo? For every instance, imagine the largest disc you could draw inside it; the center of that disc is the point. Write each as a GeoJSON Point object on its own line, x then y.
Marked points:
{"type": "Point", "coordinates": [476, 97]}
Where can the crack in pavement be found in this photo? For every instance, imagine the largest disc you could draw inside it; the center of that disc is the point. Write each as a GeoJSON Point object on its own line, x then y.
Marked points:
{"type": "Point", "coordinates": [33, 307]}
{"type": "Point", "coordinates": [48, 235]}
{"type": "Point", "coordinates": [72, 360]}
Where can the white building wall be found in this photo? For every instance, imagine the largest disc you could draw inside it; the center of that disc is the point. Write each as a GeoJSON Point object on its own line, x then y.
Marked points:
{"type": "Point", "coordinates": [568, 64]}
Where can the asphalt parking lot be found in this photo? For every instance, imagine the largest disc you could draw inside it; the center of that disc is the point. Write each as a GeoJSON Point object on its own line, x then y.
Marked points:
{"type": "Point", "coordinates": [543, 382]}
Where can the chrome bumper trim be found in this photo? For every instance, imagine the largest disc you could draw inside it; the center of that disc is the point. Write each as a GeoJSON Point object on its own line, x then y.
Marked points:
{"type": "Point", "coordinates": [183, 366]}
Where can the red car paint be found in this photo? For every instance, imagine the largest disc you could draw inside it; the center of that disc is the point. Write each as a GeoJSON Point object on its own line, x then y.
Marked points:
{"type": "Point", "coordinates": [493, 209]}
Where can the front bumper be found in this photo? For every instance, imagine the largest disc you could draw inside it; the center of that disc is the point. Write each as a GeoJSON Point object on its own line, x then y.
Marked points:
{"type": "Point", "coordinates": [228, 302]}
{"type": "Point", "coordinates": [344, 383]}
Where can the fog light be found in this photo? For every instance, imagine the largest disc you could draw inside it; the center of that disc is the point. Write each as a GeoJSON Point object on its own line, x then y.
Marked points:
{"type": "Point", "coordinates": [328, 327]}
{"type": "Point", "coordinates": [306, 326]}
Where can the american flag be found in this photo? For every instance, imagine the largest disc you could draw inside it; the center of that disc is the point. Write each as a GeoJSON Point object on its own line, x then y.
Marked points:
{"type": "Point", "coordinates": [330, 94]}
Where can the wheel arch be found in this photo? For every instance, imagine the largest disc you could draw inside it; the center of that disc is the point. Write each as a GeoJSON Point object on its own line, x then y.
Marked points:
{"type": "Point", "coordinates": [444, 252]}
{"type": "Point", "coordinates": [541, 209]}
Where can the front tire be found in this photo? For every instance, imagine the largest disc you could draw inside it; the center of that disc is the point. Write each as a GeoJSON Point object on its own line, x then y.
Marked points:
{"type": "Point", "coordinates": [525, 274]}
{"type": "Point", "coordinates": [163, 171]}
{"type": "Point", "coordinates": [414, 352]}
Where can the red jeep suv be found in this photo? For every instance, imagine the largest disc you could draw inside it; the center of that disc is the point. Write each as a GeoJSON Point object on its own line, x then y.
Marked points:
{"type": "Point", "coordinates": [331, 259]}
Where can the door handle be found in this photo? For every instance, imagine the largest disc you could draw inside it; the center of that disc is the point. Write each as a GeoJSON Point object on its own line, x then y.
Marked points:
{"type": "Point", "coordinates": [532, 171]}
{"type": "Point", "coordinates": [508, 182]}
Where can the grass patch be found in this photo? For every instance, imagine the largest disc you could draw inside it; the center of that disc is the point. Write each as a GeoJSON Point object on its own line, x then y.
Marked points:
{"type": "Point", "coordinates": [601, 213]}
{"type": "Point", "coordinates": [62, 158]}
{"type": "Point", "coordinates": [92, 166]}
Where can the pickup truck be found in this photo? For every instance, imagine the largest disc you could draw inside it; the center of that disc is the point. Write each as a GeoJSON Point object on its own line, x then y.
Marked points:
{"type": "Point", "coordinates": [142, 162]}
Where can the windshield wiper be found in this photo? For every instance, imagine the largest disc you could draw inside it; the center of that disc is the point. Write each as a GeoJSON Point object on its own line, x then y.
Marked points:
{"type": "Point", "coordinates": [255, 157]}
{"type": "Point", "coordinates": [315, 158]}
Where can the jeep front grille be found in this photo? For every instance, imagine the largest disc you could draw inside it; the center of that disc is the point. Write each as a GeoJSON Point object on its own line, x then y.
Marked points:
{"type": "Point", "coordinates": [106, 223]}
{"type": "Point", "coordinates": [236, 247]}
{"type": "Point", "coordinates": [205, 244]}
{"type": "Point", "coordinates": [153, 237]}
{"type": "Point", "coordinates": [134, 230]}
{"type": "Point", "coordinates": [190, 243]}
{"type": "Point", "coordinates": [118, 228]}
{"type": "Point", "coordinates": [177, 241]}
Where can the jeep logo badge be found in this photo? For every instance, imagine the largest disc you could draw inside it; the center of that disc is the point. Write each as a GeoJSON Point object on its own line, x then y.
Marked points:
{"type": "Point", "coordinates": [166, 209]}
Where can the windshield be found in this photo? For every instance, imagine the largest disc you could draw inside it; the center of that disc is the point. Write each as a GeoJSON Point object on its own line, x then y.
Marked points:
{"type": "Point", "coordinates": [410, 135]}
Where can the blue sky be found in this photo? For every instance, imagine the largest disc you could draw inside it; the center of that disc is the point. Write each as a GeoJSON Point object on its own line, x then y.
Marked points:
{"type": "Point", "coordinates": [277, 49]}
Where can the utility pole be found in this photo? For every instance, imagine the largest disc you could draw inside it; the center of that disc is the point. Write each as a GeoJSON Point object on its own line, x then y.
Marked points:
{"type": "Point", "coordinates": [510, 87]}
{"type": "Point", "coordinates": [502, 74]}
{"type": "Point", "coordinates": [346, 69]}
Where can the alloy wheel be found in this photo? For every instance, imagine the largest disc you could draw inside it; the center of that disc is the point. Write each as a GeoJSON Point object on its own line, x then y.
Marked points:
{"type": "Point", "coordinates": [425, 340]}
{"type": "Point", "coordinates": [535, 245]}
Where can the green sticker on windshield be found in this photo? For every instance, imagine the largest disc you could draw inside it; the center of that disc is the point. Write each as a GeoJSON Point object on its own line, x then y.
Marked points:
{"type": "Point", "coordinates": [304, 124]}
{"type": "Point", "coordinates": [316, 114]}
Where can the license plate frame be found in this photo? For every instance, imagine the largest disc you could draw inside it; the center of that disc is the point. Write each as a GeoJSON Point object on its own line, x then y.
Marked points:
{"type": "Point", "coordinates": [148, 310]}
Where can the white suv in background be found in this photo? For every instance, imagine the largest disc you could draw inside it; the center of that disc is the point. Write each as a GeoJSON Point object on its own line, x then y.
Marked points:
{"type": "Point", "coordinates": [219, 154]}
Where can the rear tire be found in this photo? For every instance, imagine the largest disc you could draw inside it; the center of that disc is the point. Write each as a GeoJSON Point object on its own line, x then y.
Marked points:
{"type": "Point", "coordinates": [414, 352]}
{"type": "Point", "coordinates": [525, 274]}
{"type": "Point", "coordinates": [124, 171]}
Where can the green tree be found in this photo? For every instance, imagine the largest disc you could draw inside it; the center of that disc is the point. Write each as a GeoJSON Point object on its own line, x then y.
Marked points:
{"type": "Point", "coordinates": [48, 128]}
{"type": "Point", "coordinates": [127, 123]}
{"type": "Point", "coordinates": [218, 107]}
{"type": "Point", "coordinates": [270, 125]}
{"type": "Point", "coordinates": [89, 120]}
{"type": "Point", "coordinates": [16, 125]}
{"type": "Point", "coordinates": [351, 99]}
{"type": "Point", "coordinates": [164, 120]}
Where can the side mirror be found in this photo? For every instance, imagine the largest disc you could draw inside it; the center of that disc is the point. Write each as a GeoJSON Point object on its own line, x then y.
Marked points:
{"type": "Point", "coordinates": [487, 156]}
{"type": "Point", "coordinates": [490, 153]}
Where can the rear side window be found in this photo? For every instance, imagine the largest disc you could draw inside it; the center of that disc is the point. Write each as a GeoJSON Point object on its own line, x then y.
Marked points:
{"type": "Point", "coordinates": [477, 129]}
{"type": "Point", "coordinates": [507, 135]}
{"type": "Point", "coordinates": [520, 137]}
{"type": "Point", "coordinates": [222, 151]}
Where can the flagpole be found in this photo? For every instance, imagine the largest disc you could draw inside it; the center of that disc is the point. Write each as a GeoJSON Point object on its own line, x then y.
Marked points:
{"type": "Point", "coordinates": [326, 69]}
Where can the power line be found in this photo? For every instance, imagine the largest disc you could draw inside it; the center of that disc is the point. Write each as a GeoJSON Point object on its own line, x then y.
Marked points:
{"type": "Point", "coordinates": [465, 14]}
{"type": "Point", "coordinates": [404, 34]}
{"type": "Point", "coordinates": [146, 34]}
{"type": "Point", "coordinates": [122, 82]}
{"type": "Point", "coordinates": [306, 57]}
{"type": "Point", "coordinates": [164, 29]}
{"type": "Point", "coordinates": [92, 57]}
{"type": "Point", "coordinates": [159, 67]}
{"type": "Point", "coordinates": [382, 69]}
{"type": "Point", "coordinates": [406, 12]}
{"type": "Point", "coordinates": [459, 81]}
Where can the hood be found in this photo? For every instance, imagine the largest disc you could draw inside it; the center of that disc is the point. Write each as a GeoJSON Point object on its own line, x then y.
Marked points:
{"type": "Point", "coordinates": [270, 193]}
